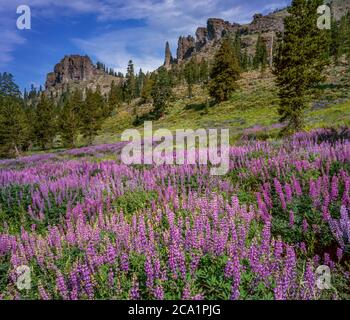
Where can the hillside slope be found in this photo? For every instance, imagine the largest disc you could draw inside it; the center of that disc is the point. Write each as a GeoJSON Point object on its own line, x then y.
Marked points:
{"type": "Point", "coordinates": [252, 109]}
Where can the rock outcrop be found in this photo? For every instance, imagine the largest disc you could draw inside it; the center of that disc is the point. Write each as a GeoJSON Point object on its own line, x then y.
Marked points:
{"type": "Point", "coordinates": [270, 23]}
{"type": "Point", "coordinates": [77, 72]}
{"type": "Point", "coordinates": [217, 28]}
{"type": "Point", "coordinates": [208, 37]}
{"type": "Point", "coordinates": [186, 47]}
{"type": "Point", "coordinates": [72, 68]}
{"type": "Point", "coordinates": [168, 56]}
{"type": "Point", "coordinates": [339, 8]}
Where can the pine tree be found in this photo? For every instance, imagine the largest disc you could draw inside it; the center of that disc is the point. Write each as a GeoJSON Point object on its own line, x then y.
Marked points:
{"type": "Point", "coordinates": [190, 75]}
{"type": "Point", "coordinates": [225, 72]}
{"type": "Point", "coordinates": [45, 122]}
{"type": "Point", "coordinates": [13, 121]}
{"type": "Point", "coordinates": [69, 121]}
{"type": "Point", "coordinates": [130, 88]}
{"type": "Point", "coordinates": [115, 97]}
{"type": "Point", "coordinates": [8, 86]}
{"type": "Point", "coordinates": [260, 58]}
{"type": "Point", "coordinates": [140, 81]}
{"type": "Point", "coordinates": [245, 61]}
{"type": "Point", "coordinates": [146, 93]}
{"type": "Point", "coordinates": [91, 117]}
{"type": "Point", "coordinates": [301, 57]}
{"type": "Point", "coordinates": [161, 93]}
{"type": "Point", "coordinates": [203, 71]}
{"type": "Point", "coordinates": [237, 47]}
{"type": "Point", "coordinates": [12, 127]}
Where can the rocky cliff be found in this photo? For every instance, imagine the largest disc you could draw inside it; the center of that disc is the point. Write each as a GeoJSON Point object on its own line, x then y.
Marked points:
{"type": "Point", "coordinates": [207, 38]}
{"type": "Point", "coordinates": [77, 71]}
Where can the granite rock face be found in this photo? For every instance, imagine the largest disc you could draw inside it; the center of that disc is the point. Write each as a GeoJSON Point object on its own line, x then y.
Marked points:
{"type": "Point", "coordinates": [72, 68]}
{"type": "Point", "coordinates": [208, 37]}
{"type": "Point", "coordinates": [339, 8]}
{"type": "Point", "coordinates": [168, 56]}
{"type": "Point", "coordinates": [78, 72]}
{"type": "Point", "coordinates": [186, 47]}
{"type": "Point", "coordinates": [217, 28]}
{"type": "Point", "coordinates": [269, 23]}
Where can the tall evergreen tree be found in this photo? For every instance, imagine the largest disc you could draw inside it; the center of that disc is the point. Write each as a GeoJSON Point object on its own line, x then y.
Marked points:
{"type": "Point", "coordinates": [13, 121]}
{"type": "Point", "coordinates": [225, 72]}
{"type": "Point", "coordinates": [45, 125]}
{"type": "Point", "coordinates": [190, 75]}
{"type": "Point", "coordinates": [115, 97]}
{"type": "Point", "coordinates": [12, 127]}
{"type": "Point", "coordinates": [161, 93]}
{"type": "Point", "coordinates": [91, 117]}
{"type": "Point", "coordinates": [69, 120]}
{"type": "Point", "coordinates": [146, 93]}
{"type": "Point", "coordinates": [260, 58]}
{"type": "Point", "coordinates": [130, 88]}
{"type": "Point", "coordinates": [8, 87]}
{"type": "Point", "coordinates": [300, 60]}
{"type": "Point", "coordinates": [203, 71]}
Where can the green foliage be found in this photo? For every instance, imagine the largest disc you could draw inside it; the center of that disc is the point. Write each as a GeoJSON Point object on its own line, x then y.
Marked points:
{"type": "Point", "coordinates": [340, 38]}
{"type": "Point", "coordinates": [69, 120]}
{"type": "Point", "coordinates": [146, 92]}
{"type": "Point", "coordinates": [14, 125]}
{"type": "Point", "coordinates": [260, 58]}
{"type": "Point", "coordinates": [130, 85]}
{"type": "Point", "coordinates": [161, 93]}
{"type": "Point", "coordinates": [301, 58]}
{"type": "Point", "coordinates": [132, 201]}
{"type": "Point", "coordinates": [45, 125]}
{"type": "Point", "coordinates": [92, 115]}
{"type": "Point", "coordinates": [225, 72]}
{"type": "Point", "coordinates": [191, 74]}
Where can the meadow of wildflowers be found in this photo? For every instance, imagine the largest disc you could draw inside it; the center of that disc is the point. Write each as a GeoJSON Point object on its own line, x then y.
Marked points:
{"type": "Point", "coordinates": [90, 227]}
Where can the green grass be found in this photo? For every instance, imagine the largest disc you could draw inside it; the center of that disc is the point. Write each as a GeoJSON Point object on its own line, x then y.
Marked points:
{"type": "Point", "coordinates": [254, 104]}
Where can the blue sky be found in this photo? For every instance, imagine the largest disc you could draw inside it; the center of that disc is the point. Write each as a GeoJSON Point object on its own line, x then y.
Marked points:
{"type": "Point", "coordinates": [111, 31]}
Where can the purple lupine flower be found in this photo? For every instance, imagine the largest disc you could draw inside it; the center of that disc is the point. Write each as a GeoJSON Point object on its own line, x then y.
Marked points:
{"type": "Point", "coordinates": [280, 193]}
{"type": "Point", "coordinates": [61, 286]}
{"type": "Point", "coordinates": [305, 226]}
{"type": "Point", "coordinates": [43, 294]}
{"type": "Point", "coordinates": [289, 192]}
{"type": "Point", "coordinates": [134, 292]}
{"type": "Point", "coordinates": [334, 190]}
{"type": "Point", "coordinates": [340, 254]}
{"type": "Point", "coordinates": [158, 292]}
{"type": "Point", "coordinates": [186, 294]}
{"type": "Point", "coordinates": [291, 218]}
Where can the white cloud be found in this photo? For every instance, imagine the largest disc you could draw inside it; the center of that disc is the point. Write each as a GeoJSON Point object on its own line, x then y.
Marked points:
{"type": "Point", "coordinates": [163, 19]}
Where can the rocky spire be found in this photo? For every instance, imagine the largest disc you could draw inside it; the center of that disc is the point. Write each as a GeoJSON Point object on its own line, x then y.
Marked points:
{"type": "Point", "coordinates": [168, 56]}
{"type": "Point", "coordinates": [186, 46]}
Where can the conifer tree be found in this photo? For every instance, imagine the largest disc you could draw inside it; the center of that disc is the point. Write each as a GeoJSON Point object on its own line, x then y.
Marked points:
{"type": "Point", "coordinates": [91, 117]}
{"type": "Point", "coordinates": [69, 120]}
{"type": "Point", "coordinates": [45, 122]}
{"type": "Point", "coordinates": [237, 47]}
{"type": "Point", "coordinates": [225, 72]}
{"type": "Point", "coordinates": [300, 60]}
{"type": "Point", "coordinates": [203, 71]}
{"type": "Point", "coordinates": [190, 75]}
{"type": "Point", "coordinates": [245, 61]}
{"type": "Point", "coordinates": [260, 58]}
{"type": "Point", "coordinates": [8, 87]}
{"type": "Point", "coordinates": [146, 93]}
{"type": "Point", "coordinates": [130, 87]}
{"type": "Point", "coordinates": [13, 122]}
{"type": "Point", "coordinates": [115, 97]}
{"type": "Point", "coordinates": [161, 93]}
